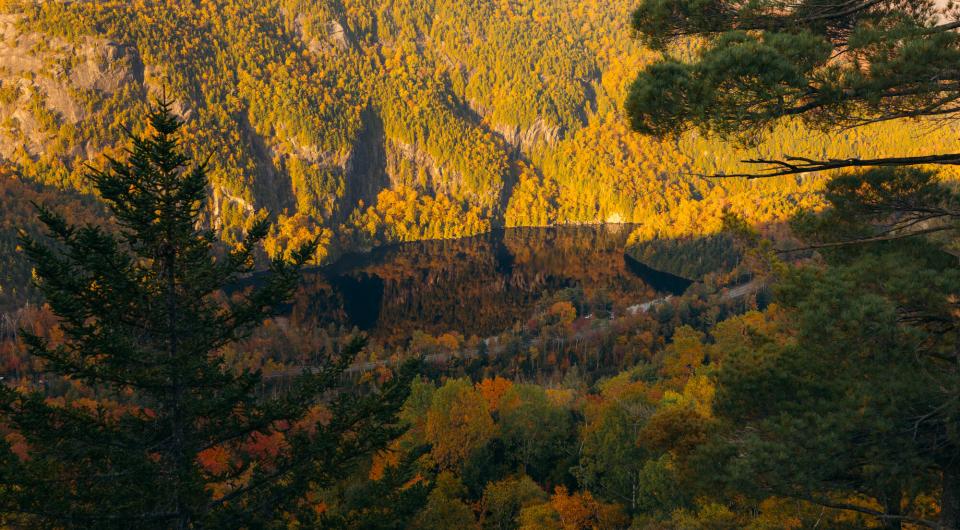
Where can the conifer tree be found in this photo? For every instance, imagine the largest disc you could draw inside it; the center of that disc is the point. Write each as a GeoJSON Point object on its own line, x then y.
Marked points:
{"type": "Point", "coordinates": [144, 319]}
{"type": "Point", "coordinates": [865, 402]}
{"type": "Point", "coordinates": [862, 403]}
{"type": "Point", "coordinates": [835, 64]}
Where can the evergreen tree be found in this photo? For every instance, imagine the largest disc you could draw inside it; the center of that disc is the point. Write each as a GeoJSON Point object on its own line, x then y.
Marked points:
{"type": "Point", "coordinates": [389, 502]}
{"type": "Point", "coordinates": [864, 401]}
{"type": "Point", "coordinates": [170, 435]}
{"type": "Point", "coordinates": [864, 404]}
{"type": "Point", "coordinates": [834, 64]}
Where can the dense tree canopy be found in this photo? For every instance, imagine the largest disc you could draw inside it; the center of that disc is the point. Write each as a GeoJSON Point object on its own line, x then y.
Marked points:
{"type": "Point", "coordinates": [864, 400]}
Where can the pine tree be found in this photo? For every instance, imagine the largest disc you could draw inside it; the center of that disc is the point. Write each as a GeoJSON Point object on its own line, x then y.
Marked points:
{"type": "Point", "coordinates": [144, 320]}
{"type": "Point", "coordinates": [862, 400]}
{"type": "Point", "coordinates": [835, 64]}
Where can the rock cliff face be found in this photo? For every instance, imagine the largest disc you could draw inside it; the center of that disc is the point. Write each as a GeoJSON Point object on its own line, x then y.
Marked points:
{"type": "Point", "coordinates": [331, 35]}
{"type": "Point", "coordinates": [62, 100]}
{"type": "Point", "coordinates": [409, 165]}
{"type": "Point", "coordinates": [49, 82]}
{"type": "Point", "coordinates": [525, 138]}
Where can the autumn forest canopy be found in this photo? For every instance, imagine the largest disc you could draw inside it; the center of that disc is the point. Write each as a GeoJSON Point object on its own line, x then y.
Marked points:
{"type": "Point", "coordinates": [520, 264]}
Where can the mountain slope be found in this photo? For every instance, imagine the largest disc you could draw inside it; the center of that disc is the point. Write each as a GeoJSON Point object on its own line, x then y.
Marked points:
{"type": "Point", "coordinates": [367, 120]}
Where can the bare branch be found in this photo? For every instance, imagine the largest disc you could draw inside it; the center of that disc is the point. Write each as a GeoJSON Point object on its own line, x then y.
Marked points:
{"type": "Point", "coordinates": [877, 239]}
{"type": "Point", "coordinates": [793, 165]}
{"type": "Point", "coordinates": [868, 511]}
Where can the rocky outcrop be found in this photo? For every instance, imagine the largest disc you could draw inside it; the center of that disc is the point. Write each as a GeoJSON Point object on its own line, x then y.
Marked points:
{"type": "Point", "coordinates": [57, 66]}
{"type": "Point", "coordinates": [218, 201]}
{"type": "Point", "coordinates": [61, 77]}
{"type": "Point", "coordinates": [524, 138]}
{"type": "Point", "coordinates": [429, 176]}
{"type": "Point", "coordinates": [337, 35]}
{"type": "Point", "coordinates": [320, 37]}
{"type": "Point", "coordinates": [106, 66]}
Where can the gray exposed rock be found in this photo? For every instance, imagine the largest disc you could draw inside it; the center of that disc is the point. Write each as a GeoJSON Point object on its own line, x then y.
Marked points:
{"type": "Point", "coordinates": [63, 76]}
{"type": "Point", "coordinates": [525, 138]}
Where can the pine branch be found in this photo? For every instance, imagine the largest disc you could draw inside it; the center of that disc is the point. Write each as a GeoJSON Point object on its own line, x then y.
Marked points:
{"type": "Point", "coordinates": [869, 511]}
{"type": "Point", "coordinates": [795, 165]}
{"type": "Point", "coordinates": [863, 240]}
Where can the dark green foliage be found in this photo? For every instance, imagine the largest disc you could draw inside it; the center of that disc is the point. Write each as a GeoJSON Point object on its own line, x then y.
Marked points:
{"type": "Point", "coordinates": [445, 507]}
{"type": "Point", "coordinates": [535, 431]}
{"type": "Point", "coordinates": [864, 399]}
{"type": "Point", "coordinates": [832, 63]}
{"type": "Point", "coordinates": [863, 402]}
{"type": "Point", "coordinates": [503, 500]}
{"type": "Point", "coordinates": [143, 320]}
{"type": "Point", "coordinates": [881, 205]}
{"type": "Point", "coordinates": [611, 462]}
{"type": "Point", "coordinates": [743, 78]}
{"type": "Point", "coordinates": [389, 503]}
{"type": "Point", "coordinates": [485, 465]}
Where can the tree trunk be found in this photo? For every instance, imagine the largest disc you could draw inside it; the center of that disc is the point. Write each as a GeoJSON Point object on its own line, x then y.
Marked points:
{"type": "Point", "coordinates": [182, 520]}
{"type": "Point", "coordinates": [892, 506]}
{"type": "Point", "coordinates": [950, 499]}
{"type": "Point", "coordinates": [893, 524]}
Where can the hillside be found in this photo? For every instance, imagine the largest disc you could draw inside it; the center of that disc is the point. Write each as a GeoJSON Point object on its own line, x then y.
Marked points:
{"type": "Point", "coordinates": [370, 121]}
